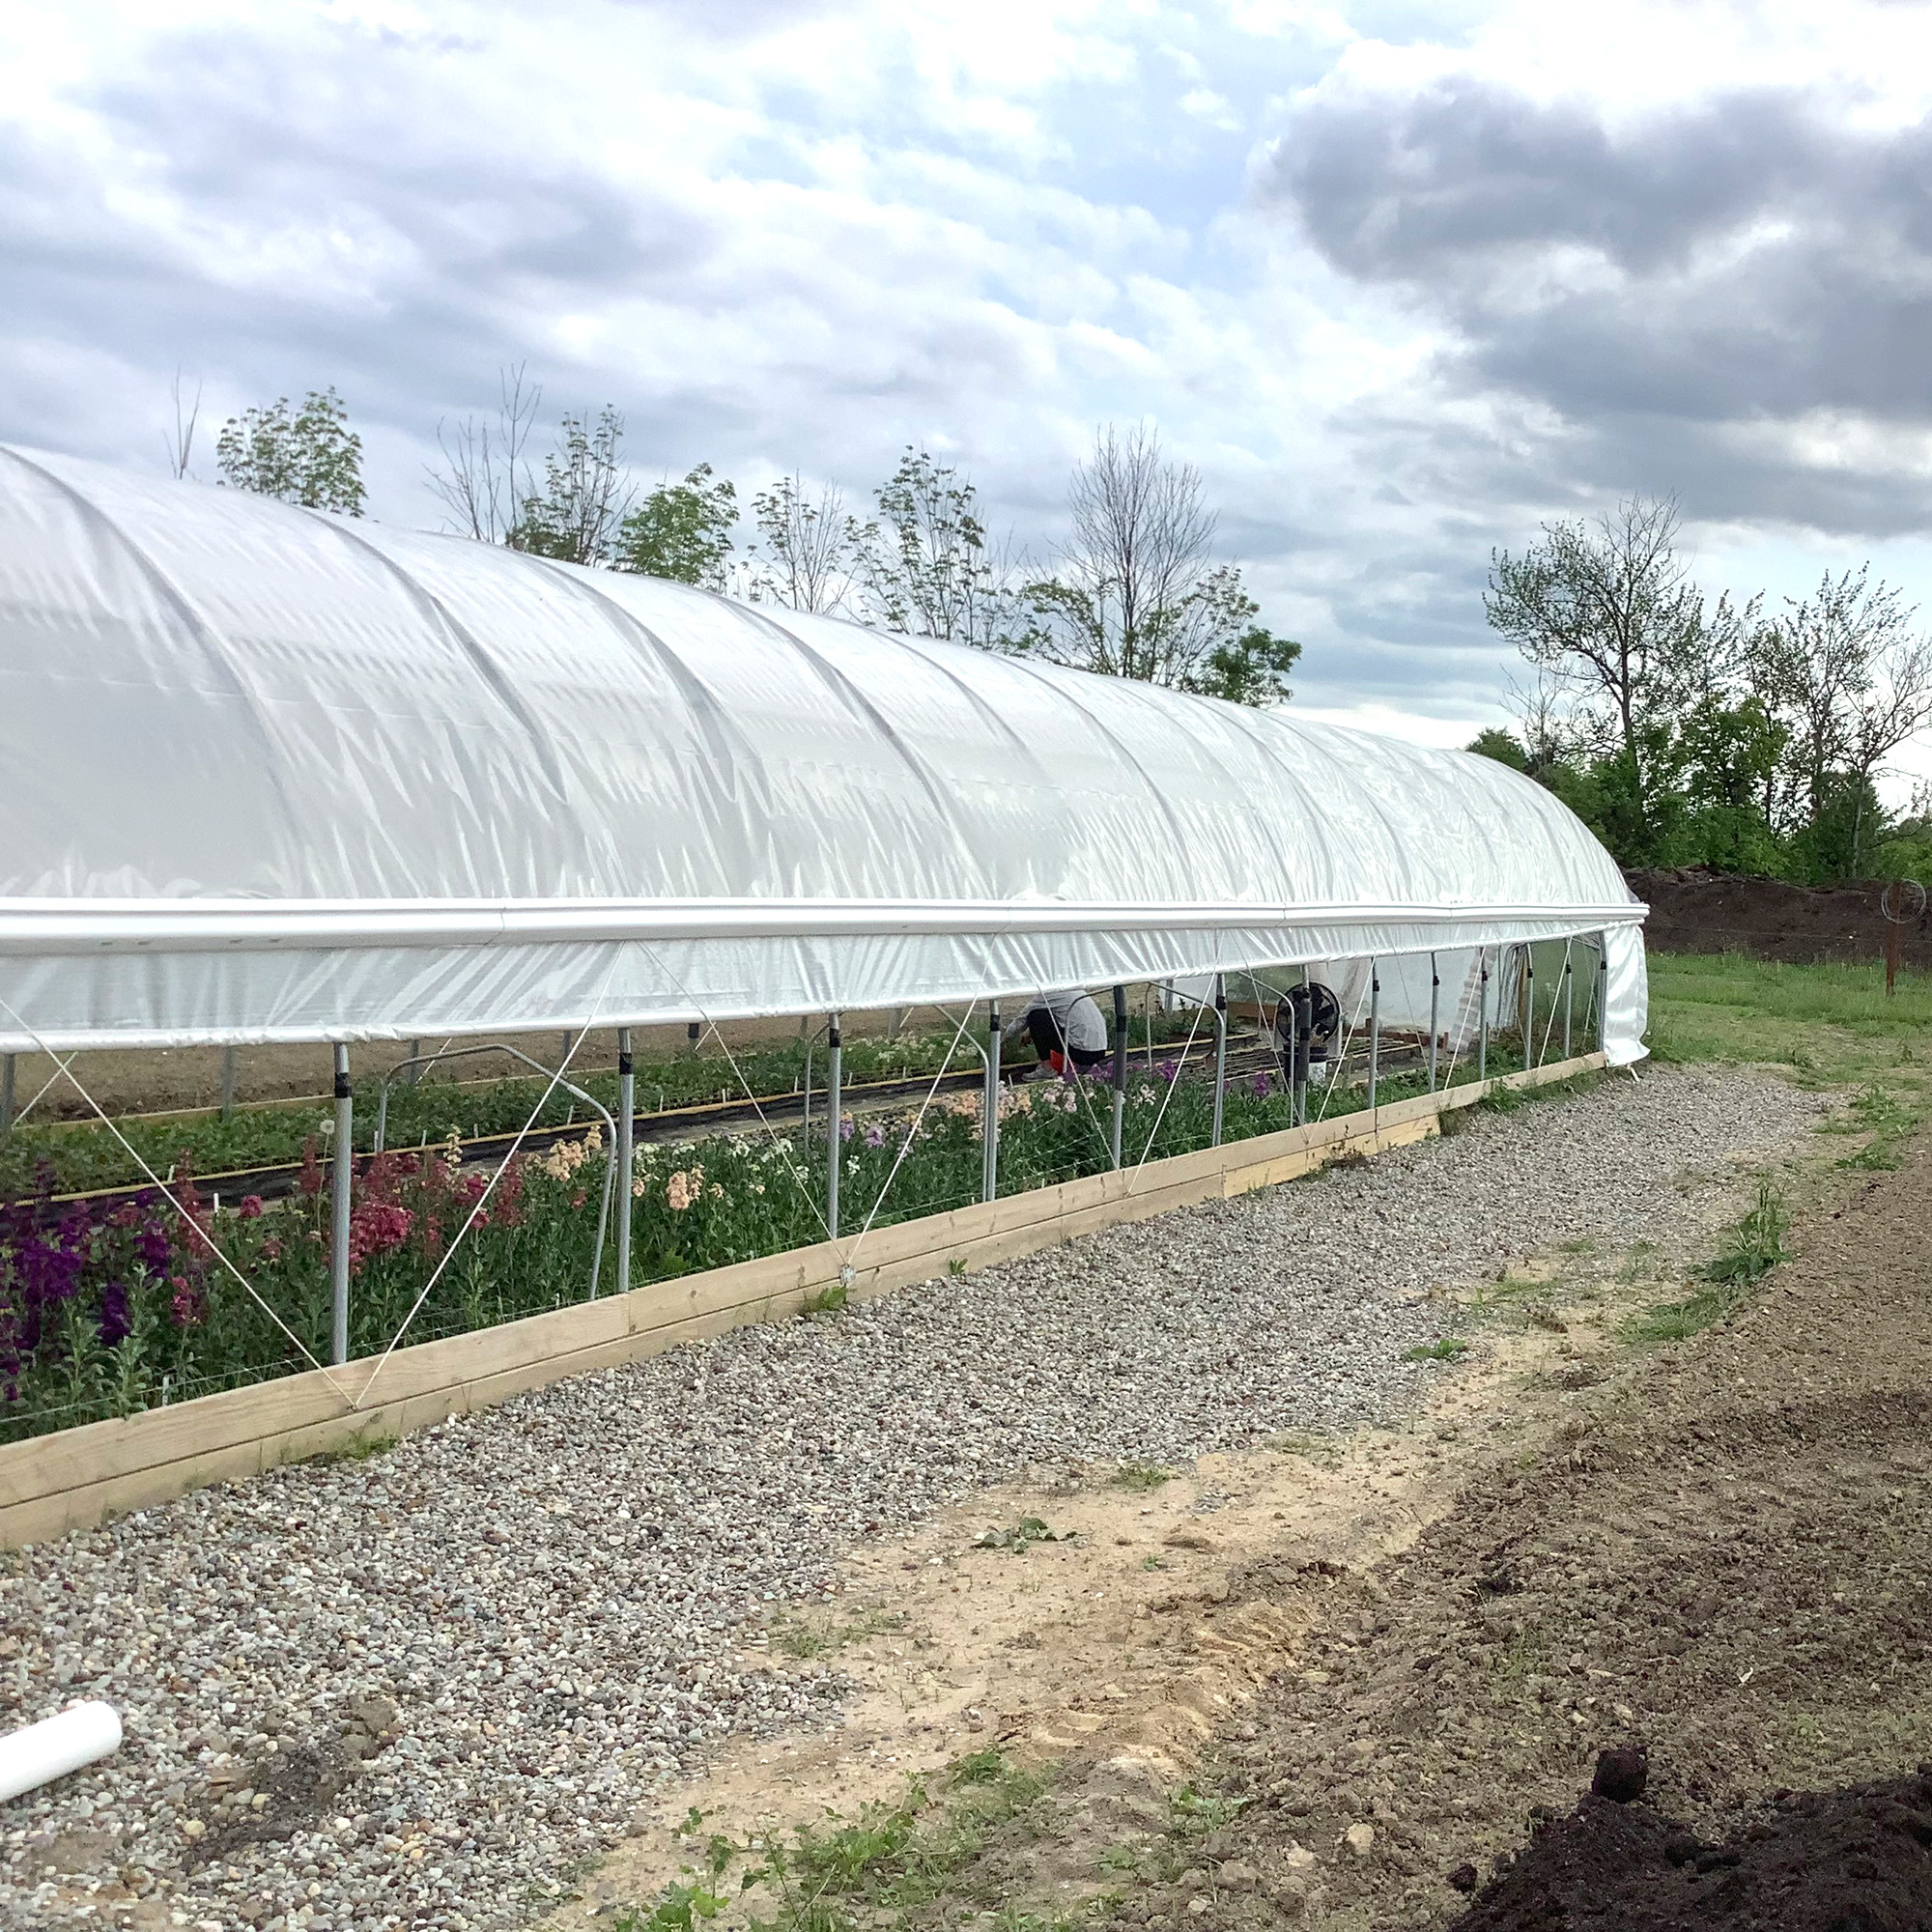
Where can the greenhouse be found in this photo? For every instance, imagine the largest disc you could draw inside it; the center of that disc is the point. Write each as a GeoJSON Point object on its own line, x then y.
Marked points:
{"type": "Point", "coordinates": [281, 778]}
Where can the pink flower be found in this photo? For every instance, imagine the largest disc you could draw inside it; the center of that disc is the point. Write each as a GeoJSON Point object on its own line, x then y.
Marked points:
{"type": "Point", "coordinates": [248, 1208]}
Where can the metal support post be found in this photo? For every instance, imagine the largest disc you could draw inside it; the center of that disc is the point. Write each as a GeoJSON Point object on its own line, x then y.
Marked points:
{"type": "Point", "coordinates": [834, 1146]}
{"type": "Point", "coordinates": [695, 1031]}
{"type": "Point", "coordinates": [230, 1056]}
{"type": "Point", "coordinates": [1301, 1047]}
{"type": "Point", "coordinates": [1568, 999]}
{"type": "Point", "coordinates": [1434, 1023]}
{"type": "Point", "coordinates": [1529, 1011]}
{"type": "Point", "coordinates": [1374, 1032]}
{"type": "Point", "coordinates": [1220, 1053]}
{"type": "Point", "coordinates": [1602, 987]}
{"type": "Point", "coordinates": [626, 1110]}
{"type": "Point", "coordinates": [989, 1117]}
{"type": "Point", "coordinates": [415, 1072]}
{"type": "Point", "coordinates": [342, 1176]}
{"type": "Point", "coordinates": [1120, 1069]}
{"type": "Point", "coordinates": [1483, 1017]}
{"type": "Point", "coordinates": [569, 1048]}
{"type": "Point", "coordinates": [6, 1093]}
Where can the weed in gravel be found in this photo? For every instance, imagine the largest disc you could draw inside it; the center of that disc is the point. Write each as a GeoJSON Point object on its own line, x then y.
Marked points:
{"type": "Point", "coordinates": [1029, 1530]}
{"type": "Point", "coordinates": [829, 1300]}
{"type": "Point", "coordinates": [1448, 1349]}
{"type": "Point", "coordinates": [1141, 1477]}
{"type": "Point", "coordinates": [1879, 1113]}
{"type": "Point", "coordinates": [360, 1450]}
{"type": "Point", "coordinates": [807, 1640]}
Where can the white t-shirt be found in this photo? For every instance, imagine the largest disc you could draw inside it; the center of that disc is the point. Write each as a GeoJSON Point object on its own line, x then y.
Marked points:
{"type": "Point", "coordinates": [1081, 1023]}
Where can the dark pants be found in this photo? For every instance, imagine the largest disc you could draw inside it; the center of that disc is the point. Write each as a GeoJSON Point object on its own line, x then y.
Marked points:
{"type": "Point", "coordinates": [1043, 1030]}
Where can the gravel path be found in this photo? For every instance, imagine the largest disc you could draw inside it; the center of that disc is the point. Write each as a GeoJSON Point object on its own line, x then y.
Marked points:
{"type": "Point", "coordinates": [418, 1689]}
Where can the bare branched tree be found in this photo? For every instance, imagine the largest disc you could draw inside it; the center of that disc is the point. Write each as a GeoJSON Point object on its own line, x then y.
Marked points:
{"type": "Point", "coordinates": [1138, 594]}
{"type": "Point", "coordinates": [485, 476]}
{"type": "Point", "coordinates": [807, 547]}
{"type": "Point", "coordinates": [180, 446]}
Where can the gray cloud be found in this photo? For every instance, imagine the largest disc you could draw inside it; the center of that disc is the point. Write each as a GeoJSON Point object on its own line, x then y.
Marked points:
{"type": "Point", "coordinates": [1670, 287]}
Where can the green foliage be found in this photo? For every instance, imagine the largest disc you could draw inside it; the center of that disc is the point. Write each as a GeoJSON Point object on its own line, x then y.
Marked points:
{"type": "Point", "coordinates": [577, 514]}
{"type": "Point", "coordinates": [681, 530]}
{"type": "Point", "coordinates": [924, 563]}
{"type": "Point", "coordinates": [829, 1300]}
{"type": "Point", "coordinates": [1020, 1536]}
{"type": "Point", "coordinates": [1505, 748]}
{"type": "Point", "coordinates": [1141, 1477]}
{"type": "Point", "coordinates": [1448, 1349]}
{"type": "Point", "coordinates": [311, 457]}
{"type": "Point", "coordinates": [1755, 1246]}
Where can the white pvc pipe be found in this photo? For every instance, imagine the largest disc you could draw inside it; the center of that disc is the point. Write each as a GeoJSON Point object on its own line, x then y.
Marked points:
{"type": "Point", "coordinates": [57, 1746]}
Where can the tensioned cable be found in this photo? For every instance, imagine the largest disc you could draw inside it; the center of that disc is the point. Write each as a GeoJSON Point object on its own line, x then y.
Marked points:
{"type": "Point", "coordinates": [47, 1084]}
{"type": "Point", "coordinates": [490, 1185]}
{"type": "Point", "coordinates": [1160, 1113]}
{"type": "Point", "coordinates": [161, 1186]}
{"type": "Point", "coordinates": [1342, 1059]}
{"type": "Point", "coordinates": [713, 1031]}
{"type": "Point", "coordinates": [1551, 1028]}
{"type": "Point", "coordinates": [912, 1134]}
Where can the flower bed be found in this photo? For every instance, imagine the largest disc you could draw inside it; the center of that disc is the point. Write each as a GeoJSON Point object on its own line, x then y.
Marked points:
{"type": "Point", "coordinates": [104, 1318]}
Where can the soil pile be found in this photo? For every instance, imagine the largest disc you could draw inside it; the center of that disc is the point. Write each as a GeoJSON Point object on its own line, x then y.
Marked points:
{"type": "Point", "coordinates": [1693, 910]}
{"type": "Point", "coordinates": [1852, 1861]}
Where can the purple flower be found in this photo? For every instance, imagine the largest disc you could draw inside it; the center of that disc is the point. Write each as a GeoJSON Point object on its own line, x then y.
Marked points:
{"type": "Point", "coordinates": [1167, 1069]}
{"type": "Point", "coordinates": [150, 1246]}
{"type": "Point", "coordinates": [117, 1320]}
{"type": "Point", "coordinates": [1264, 1086]}
{"type": "Point", "coordinates": [875, 1137]}
{"type": "Point", "coordinates": [844, 1131]}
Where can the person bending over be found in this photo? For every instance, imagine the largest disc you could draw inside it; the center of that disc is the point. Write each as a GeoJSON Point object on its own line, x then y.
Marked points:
{"type": "Point", "coordinates": [1068, 1031]}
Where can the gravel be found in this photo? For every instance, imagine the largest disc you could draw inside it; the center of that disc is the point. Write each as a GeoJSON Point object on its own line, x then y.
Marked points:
{"type": "Point", "coordinates": [420, 1690]}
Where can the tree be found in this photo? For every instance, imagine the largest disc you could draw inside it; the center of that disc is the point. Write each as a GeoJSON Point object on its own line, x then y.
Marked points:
{"type": "Point", "coordinates": [924, 564]}
{"type": "Point", "coordinates": [1137, 594]}
{"type": "Point", "coordinates": [1855, 683]}
{"type": "Point", "coordinates": [1609, 615]}
{"type": "Point", "coordinates": [585, 497]}
{"type": "Point", "coordinates": [312, 458]}
{"type": "Point", "coordinates": [681, 530]}
{"type": "Point", "coordinates": [180, 446]}
{"type": "Point", "coordinates": [807, 545]}
{"type": "Point", "coordinates": [485, 475]}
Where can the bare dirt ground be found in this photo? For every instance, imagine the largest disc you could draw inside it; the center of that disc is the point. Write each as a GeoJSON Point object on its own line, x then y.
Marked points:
{"type": "Point", "coordinates": [1341, 1684]}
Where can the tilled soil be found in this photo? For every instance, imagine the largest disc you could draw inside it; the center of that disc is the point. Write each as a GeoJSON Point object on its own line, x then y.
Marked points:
{"type": "Point", "coordinates": [1693, 910]}
{"type": "Point", "coordinates": [1856, 1861]}
{"type": "Point", "coordinates": [1724, 1558]}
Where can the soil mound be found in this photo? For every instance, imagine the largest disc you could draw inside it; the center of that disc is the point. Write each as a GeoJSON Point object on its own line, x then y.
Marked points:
{"type": "Point", "coordinates": [1857, 1860]}
{"type": "Point", "coordinates": [1693, 910]}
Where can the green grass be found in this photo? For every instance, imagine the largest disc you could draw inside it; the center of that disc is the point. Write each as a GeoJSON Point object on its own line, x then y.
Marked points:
{"type": "Point", "coordinates": [892, 1865]}
{"type": "Point", "coordinates": [1141, 1477]}
{"type": "Point", "coordinates": [1448, 1349]}
{"type": "Point", "coordinates": [1829, 1025]}
{"type": "Point", "coordinates": [1755, 1247]}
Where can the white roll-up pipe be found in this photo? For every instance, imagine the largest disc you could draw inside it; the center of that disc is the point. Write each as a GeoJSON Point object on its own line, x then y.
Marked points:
{"type": "Point", "coordinates": [57, 1746]}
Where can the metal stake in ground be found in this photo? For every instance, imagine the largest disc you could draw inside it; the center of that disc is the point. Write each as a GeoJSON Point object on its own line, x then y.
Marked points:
{"type": "Point", "coordinates": [6, 1093]}
{"type": "Point", "coordinates": [343, 1177]}
{"type": "Point", "coordinates": [833, 1143]}
{"type": "Point", "coordinates": [1435, 1024]}
{"type": "Point", "coordinates": [989, 1117]}
{"type": "Point", "coordinates": [627, 1112]}
{"type": "Point", "coordinates": [1569, 997]}
{"type": "Point", "coordinates": [1528, 1009]}
{"type": "Point", "coordinates": [1374, 1032]}
{"type": "Point", "coordinates": [1220, 1053]}
{"type": "Point", "coordinates": [1120, 1068]}
{"type": "Point", "coordinates": [230, 1057]}
{"type": "Point", "coordinates": [1483, 1016]}
{"type": "Point", "coordinates": [1602, 987]}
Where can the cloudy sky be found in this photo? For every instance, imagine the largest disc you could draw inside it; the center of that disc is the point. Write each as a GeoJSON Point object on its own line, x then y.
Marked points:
{"type": "Point", "coordinates": [1402, 280]}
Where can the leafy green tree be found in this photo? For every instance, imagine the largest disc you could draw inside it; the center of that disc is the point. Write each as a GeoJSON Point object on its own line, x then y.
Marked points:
{"type": "Point", "coordinates": [681, 530]}
{"type": "Point", "coordinates": [1608, 615]}
{"type": "Point", "coordinates": [1504, 746]}
{"type": "Point", "coordinates": [575, 516]}
{"type": "Point", "coordinates": [807, 547]}
{"type": "Point", "coordinates": [309, 457]}
{"type": "Point", "coordinates": [924, 561]}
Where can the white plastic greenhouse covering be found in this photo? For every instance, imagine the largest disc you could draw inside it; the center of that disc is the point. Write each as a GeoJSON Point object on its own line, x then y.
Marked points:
{"type": "Point", "coordinates": [275, 775]}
